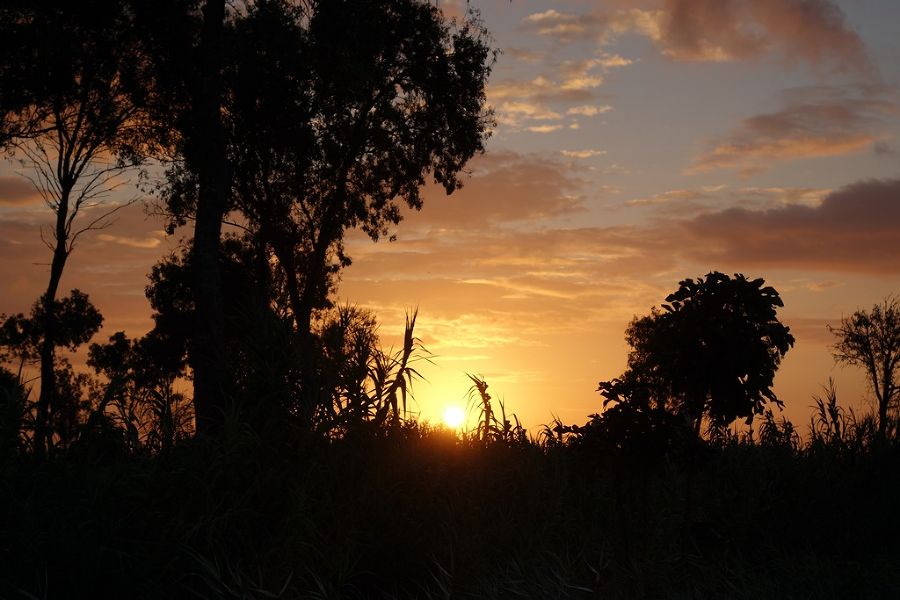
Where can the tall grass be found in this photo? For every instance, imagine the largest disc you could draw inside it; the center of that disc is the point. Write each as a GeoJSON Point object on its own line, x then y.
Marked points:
{"type": "Point", "coordinates": [384, 506]}
{"type": "Point", "coordinates": [421, 512]}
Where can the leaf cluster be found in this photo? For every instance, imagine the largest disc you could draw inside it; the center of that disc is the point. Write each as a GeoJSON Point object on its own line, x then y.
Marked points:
{"type": "Point", "coordinates": [712, 351]}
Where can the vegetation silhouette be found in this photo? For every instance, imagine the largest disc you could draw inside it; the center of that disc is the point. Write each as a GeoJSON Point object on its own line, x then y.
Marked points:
{"type": "Point", "coordinates": [67, 114]}
{"type": "Point", "coordinates": [711, 352]}
{"type": "Point", "coordinates": [310, 476]}
{"type": "Point", "coordinates": [871, 340]}
{"type": "Point", "coordinates": [23, 342]}
{"type": "Point", "coordinates": [333, 114]}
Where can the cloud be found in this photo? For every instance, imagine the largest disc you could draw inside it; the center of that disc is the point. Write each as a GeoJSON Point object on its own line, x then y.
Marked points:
{"type": "Point", "coordinates": [110, 265]}
{"type": "Point", "coordinates": [543, 128]}
{"type": "Point", "coordinates": [810, 31]}
{"type": "Point", "coordinates": [815, 122]}
{"type": "Point", "coordinates": [514, 114]}
{"type": "Point", "coordinates": [131, 242]}
{"type": "Point", "coordinates": [602, 26]}
{"type": "Point", "coordinates": [519, 101]}
{"type": "Point", "coordinates": [854, 229]}
{"type": "Point", "coordinates": [682, 203]}
{"type": "Point", "coordinates": [582, 153]}
{"type": "Point", "coordinates": [16, 191]}
{"type": "Point", "coordinates": [589, 110]}
{"type": "Point", "coordinates": [776, 197]}
{"type": "Point", "coordinates": [562, 26]}
{"type": "Point", "coordinates": [821, 286]}
{"type": "Point", "coordinates": [505, 188]}
{"type": "Point", "coordinates": [491, 283]}
{"type": "Point", "coordinates": [883, 149]}
{"type": "Point", "coordinates": [523, 54]}
{"type": "Point", "coordinates": [540, 88]}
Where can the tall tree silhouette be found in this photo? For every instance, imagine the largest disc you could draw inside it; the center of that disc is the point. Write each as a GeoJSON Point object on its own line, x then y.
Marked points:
{"type": "Point", "coordinates": [67, 113]}
{"type": "Point", "coordinates": [258, 349]}
{"type": "Point", "coordinates": [335, 115]}
{"type": "Point", "coordinates": [712, 351]}
{"type": "Point", "coordinates": [871, 339]}
{"type": "Point", "coordinates": [183, 52]}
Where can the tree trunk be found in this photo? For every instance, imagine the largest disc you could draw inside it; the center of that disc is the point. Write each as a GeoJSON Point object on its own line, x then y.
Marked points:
{"type": "Point", "coordinates": [883, 401]}
{"type": "Point", "coordinates": [47, 400]}
{"type": "Point", "coordinates": [208, 353]}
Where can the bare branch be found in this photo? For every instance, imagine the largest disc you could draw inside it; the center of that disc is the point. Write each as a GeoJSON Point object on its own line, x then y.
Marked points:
{"type": "Point", "coordinates": [100, 222]}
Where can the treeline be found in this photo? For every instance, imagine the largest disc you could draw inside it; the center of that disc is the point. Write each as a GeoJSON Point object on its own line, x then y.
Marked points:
{"type": "Point", "coordinates": [295, 121]}
{"type": "Point", "coordinates": [654, 497]}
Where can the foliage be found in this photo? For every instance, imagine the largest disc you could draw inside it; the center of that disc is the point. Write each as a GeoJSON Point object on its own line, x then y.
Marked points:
{"type": "Point", "coordinates": [366, 384]}
{"type": "Point", "coordinates": [22, 340]}
{"type": "Point", "coordinates": [348, 380]}
{"type": "Point", "coordinates": [13, 412]}
{"type": "Point", "coordinates": [337, 112]}
{"type": "Point", "coordinates": [71, 118]}
{"type": "Point", "coordinates": [139, 396]}
{"type": "Point", "coordinates": [627, 433]}
{"type": "Point", "coordinates": [871, 340]}
{"type": "Point", "coordinates": [492, 427]}
{"type": "Point", "coordinates": [712, 352]}
{"type": "Point", "coordinates": [21, 336]}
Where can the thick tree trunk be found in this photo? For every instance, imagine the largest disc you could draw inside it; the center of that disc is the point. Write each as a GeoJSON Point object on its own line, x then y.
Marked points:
{"type": "Point", "coordinates": [208, 354]}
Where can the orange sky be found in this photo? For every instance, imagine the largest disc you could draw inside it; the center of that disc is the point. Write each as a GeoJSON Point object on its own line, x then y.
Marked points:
{"type": "Point", "coordinates": [638, 143]}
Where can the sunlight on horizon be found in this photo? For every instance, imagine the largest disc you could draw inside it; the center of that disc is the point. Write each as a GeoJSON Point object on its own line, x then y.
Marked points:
{"type": "Point", "coordinates": [454, 416]}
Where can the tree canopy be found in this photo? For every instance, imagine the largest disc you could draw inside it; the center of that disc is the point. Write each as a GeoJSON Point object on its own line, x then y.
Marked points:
{"type": "Point", "coordinates": [337, 113]}
{"type": "Point", "coordinates": [304, 119]}
{"type": "Point", "coordinates": [871, 339]}
{"type": "Point", "coordinates": [712, 351]}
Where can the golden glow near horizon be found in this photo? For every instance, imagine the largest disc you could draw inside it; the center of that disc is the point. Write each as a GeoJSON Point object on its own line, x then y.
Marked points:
{"type": "Point", "coordinates": [454, 416]}
{"type": "Point", "coordinates": [634, 147]}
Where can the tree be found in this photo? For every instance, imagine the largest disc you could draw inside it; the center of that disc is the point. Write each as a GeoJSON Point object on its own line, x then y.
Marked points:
{"type": "Point", "coordinates": [182, 46]}
{"type": "Point", "coordinates": [358, 383]}
{"type": "Point", "coordinates": [68, 114]}
{"type": "Point", "coordinates": [335, 115]}
{"type": "Point", "coordinates": [257, 349]}
{"type": "Point", "coordinates": [140, 396]}
{"type": "Point", "coordinates": [378, 97]}
{"type": "Point", "coordinates": [712, 351]}
{"type": "Point", "coordinates": [871, 340]}
{"type": "Point", "coordinates": [22, 340]}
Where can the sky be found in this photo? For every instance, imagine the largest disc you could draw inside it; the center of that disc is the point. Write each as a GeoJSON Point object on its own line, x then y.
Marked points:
{"type": "Point", "coordinates": [638, 143]}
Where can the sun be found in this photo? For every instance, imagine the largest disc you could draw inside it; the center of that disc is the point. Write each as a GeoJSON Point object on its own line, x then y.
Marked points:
{"type": "Point", "coordinates": [454, 416]}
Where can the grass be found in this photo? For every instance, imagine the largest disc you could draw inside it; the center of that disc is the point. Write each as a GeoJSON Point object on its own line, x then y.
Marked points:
{"type": "Point", "coordinates": [418, 513]}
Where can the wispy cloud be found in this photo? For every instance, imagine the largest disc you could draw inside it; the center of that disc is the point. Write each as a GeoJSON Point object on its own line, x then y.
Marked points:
{"type": "Point", "coordinates": [543, 128]}
{"type": "Point", "coordinates": [131, 242]}
{"type": "Point", "coordinates": [814, 122]}
{"type": "Point", "coordinates": [602, 26]}
{"type": "Point", "coordinates": [544, 97]}
{"type": "Point", "coordinates": [589, 110]}
{"type": "Point", "coordinates": [589, 153]}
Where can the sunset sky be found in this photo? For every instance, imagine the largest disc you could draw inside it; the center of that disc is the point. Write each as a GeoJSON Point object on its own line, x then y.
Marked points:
{"type": "Point", "coordinates": [638, 143]}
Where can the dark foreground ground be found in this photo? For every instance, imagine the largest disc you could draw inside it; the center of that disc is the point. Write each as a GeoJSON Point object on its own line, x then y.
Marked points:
{"type": "Point", "coordinates": [421, 515]}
